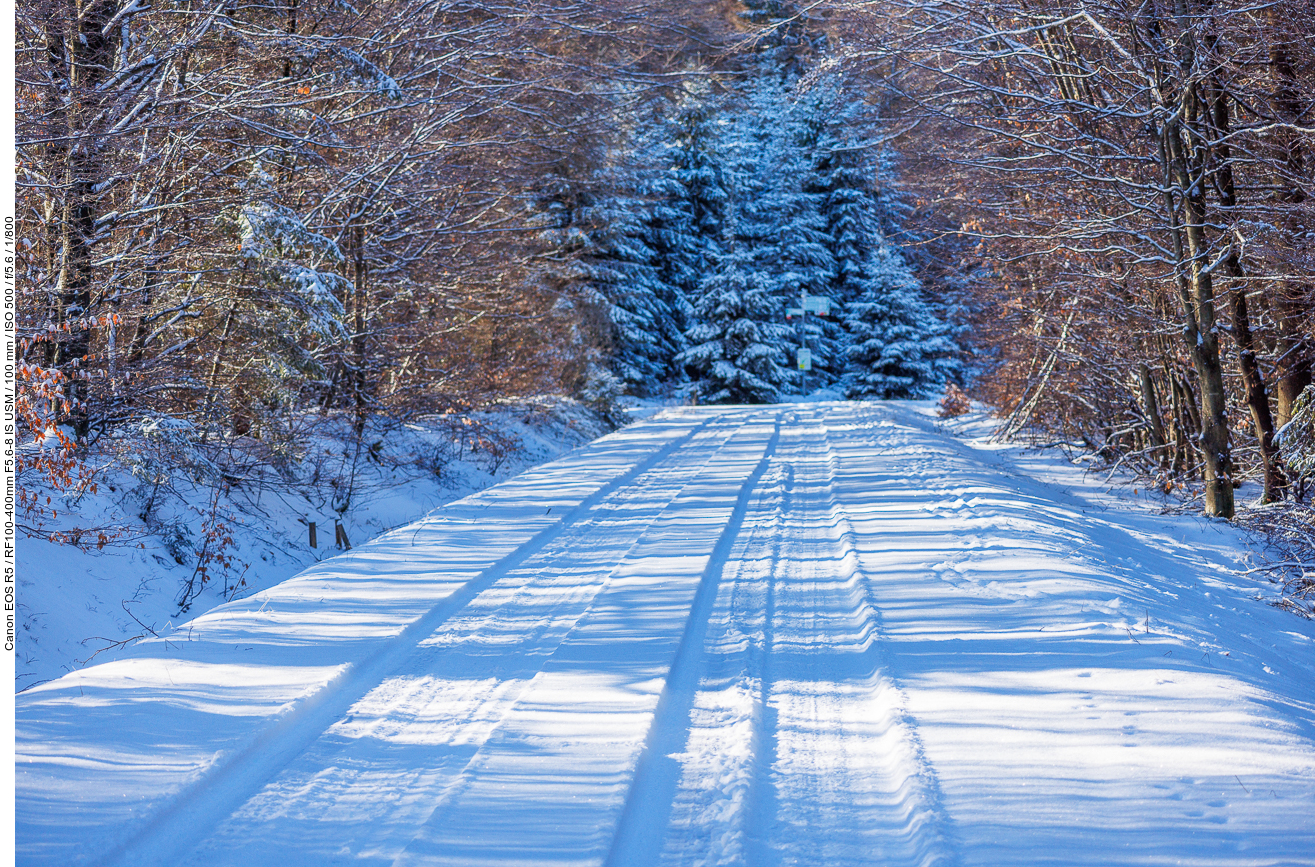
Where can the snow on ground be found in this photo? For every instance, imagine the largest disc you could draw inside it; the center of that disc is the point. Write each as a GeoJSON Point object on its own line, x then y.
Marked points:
{"type": "Point", "coordinates": [76, 604]}
{"type": "Point", "coordinates": [822, 634]}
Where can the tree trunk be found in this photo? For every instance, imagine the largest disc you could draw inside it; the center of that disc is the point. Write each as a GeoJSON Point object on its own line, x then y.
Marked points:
{"type": "Point", "coordinates": [360, 273]}
{"type": "Point", "coordinates": [81, 55]}
{"type": "Point", "coordinates": [1151, 409]}
{"type": "Point", "coordinates": [1181, 425]}
{"type": "Point", "coordinates": [1295, 348]}
{"type": "Point", "coordinates": [1196, 290]}
{"type": "Point", "coordinates": [1185, 148]}
{"type": "Point", "coordinates": [212, 382]}
{"type": "Point", "coordinates": [1276, 480]}
{"type": "Point", "coordinates": [1292, 362]}
{"type": "Point", "coordinates": [1257, 398]}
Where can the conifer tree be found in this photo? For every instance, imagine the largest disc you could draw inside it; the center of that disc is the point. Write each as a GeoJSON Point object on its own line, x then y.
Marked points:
{"type": "Point", "coordinates": [811, 260]}
{"type": "Point", "coordinates": [645, 313]}
{"type": "Point", "coordinates": [898, 348]}
{"type": "Point", "coordinates": [698, 169]}
{"type": "Point", "coordinates": [737, 346]}
{"type": "Point", "coordinates": [286, 312]}
{"type": "Point", "coordinates": [680, 252]}
{"type": "Point", "coordinates": [784, 37]}
{"type": "Point", "coordinates": [848, 204]}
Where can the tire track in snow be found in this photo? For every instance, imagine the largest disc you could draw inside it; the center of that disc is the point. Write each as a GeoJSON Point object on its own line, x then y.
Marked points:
{"type": "Point", "coordinates": [806, 759]}
{"type": "Point", "coordinates": [550, 785]}
{"type": "Point", "coordinates": [723, 806]}
{"type": "Point", "coordinates": [637, 841]}
{"type": "Point", "coordinates": [910, 821]}
{"type": "Point", "coordinates": [1032, 778]}
{"type": "Point", "coordinates": [191, 814]}
{"type": "Point", "coordinates": [463, 675]}
{"type": "Point", "coordinates": [761, 795]}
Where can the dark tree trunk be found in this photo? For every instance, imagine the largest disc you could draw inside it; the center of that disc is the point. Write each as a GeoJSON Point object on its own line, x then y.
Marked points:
{"type": "Point", "coordinates": [1196, 289]}
{"type": "Point", "coordinates": [1292, 362]}
{"type": "Point", "coordinates": [1151, 409]}
{"type": "Point", "coordinates": [1185, 153]}
{"type": "Point", "coordinates": [360, 275]}
{"type": "Point", "coordinates": [1181, 425]}
{"type": "Point", "coordinates": [79, 55]}
{"type": "Point", "coordinates": [216, 368]}
{"type": "Point", "coordinates": [1295, 348]}
{"type": "Point", "coordinates": [1257, 398]}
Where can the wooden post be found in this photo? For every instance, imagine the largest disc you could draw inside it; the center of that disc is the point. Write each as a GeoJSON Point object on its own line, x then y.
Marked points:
{"type": "Point", "coordinates": [340, 536]}
{"type": "Point", "coordinates": [312, 535]}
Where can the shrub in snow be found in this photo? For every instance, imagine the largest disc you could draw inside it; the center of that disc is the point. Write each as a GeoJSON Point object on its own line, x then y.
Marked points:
{"type": "Point", "coordinates": [954, 403]}
{"type": "Point", "coordinates": [165, 445]}
{"type": "Point", "coordinates": [600, 389]}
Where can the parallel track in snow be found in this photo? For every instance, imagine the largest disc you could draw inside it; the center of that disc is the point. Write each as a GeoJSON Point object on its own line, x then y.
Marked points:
{"type": "Point", "coordinates": [193, 815]}
{"type": "Point", "coordinates": [726, 637]}
{"type": "Point", "coordinates": [638, 839]}
{"type": "Point", "coordinates": [794, 669]}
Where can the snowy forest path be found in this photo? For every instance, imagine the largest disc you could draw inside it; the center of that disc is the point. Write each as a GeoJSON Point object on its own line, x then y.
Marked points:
{"type": "Point", "coordinates": [455, 694]}
{"type": "Point", "coordinates": [797, 752]}
{"type": "Point", "coordinates": [826, 634]}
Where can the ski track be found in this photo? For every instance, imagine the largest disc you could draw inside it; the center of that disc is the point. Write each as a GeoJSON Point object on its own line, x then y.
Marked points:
{"type": "Point", "coordinates": [821, 634]}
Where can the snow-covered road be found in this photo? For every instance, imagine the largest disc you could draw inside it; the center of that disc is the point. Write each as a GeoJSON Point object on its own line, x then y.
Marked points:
{"type": "Point", "coordinates": [826, 634]}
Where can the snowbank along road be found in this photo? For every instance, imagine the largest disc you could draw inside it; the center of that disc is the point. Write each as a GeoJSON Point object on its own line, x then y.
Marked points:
{"type": "Point", "coordinates": [824, 634]}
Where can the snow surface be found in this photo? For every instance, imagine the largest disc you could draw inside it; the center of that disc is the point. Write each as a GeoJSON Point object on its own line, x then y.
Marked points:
{"type": "Point", "coordinates": [76, 604]}
{"type": "Point", "coordinates": [823, 634]}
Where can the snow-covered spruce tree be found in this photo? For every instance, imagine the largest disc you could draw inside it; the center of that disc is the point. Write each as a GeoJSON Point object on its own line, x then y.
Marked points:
{"type": "Point", "coordinates": [698, 168]}
{"type": "Point", "coordinates": [580, 255]}
{"type": "Point", "coordinates": [806, 269]}
{"type": "Point", "coordinates": [893, 210]}
{"type": "Point", "coordinates": [939, 259]}
{"type": "Point", "coordinates": [737, 347]}
{"type": "Point", "coordinates": [827, 237]}
{"type": "Point", "coordinates": [848, 204]}
{"type": "Point", "coordinates": [751, 266]}
{"type": "Point", "coordinates": [779, 203]}
{"type": "Point", "coordinates": [683, 199]}
{"type": "Point", "coordinates": [679, 254]}
{"type": "Point", "coordinates": [784, 37]}
{"type": "Point", "coordinates": [898, 348]}
{"type": "Point", "coordinates": [646, 313]}
{"type": "Point", "coordinates": [751, 166]}
{"type": "Point", "coordinates": [625, 250]}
